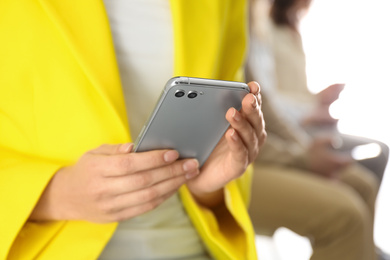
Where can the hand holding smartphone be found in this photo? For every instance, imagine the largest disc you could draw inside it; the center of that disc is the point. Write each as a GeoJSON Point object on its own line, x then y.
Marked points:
{"type": "Point", "coordinates": [190, 116]}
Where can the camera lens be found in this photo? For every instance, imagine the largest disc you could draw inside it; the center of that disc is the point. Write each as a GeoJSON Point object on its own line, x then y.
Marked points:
{"type": "Point", "coordinates": [179, 93]}
{"type": "Point", "coordinates": [192, 94]}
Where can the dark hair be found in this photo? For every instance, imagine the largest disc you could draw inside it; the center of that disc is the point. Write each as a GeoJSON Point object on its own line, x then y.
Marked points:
{"type": "Point", "coordinates": [287, 12]}
{"type": "Point", "coordinates": [279, 11]}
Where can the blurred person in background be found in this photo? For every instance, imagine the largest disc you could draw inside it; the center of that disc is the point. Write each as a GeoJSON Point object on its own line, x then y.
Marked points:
{"type": "Point", "coordinates": [276, 36]}
{"type": "Point", "coordinates": [306, 179]}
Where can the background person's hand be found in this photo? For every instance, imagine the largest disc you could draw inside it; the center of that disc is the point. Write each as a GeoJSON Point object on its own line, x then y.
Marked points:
{"type": "Point", "coordinates": [235, 151]}
{"type": "Point", "coordinates": [320, 115]}
{"type": "Point", "coordinates": [325, 160]}
{"type": "Point", "coordinates": [111, 184]}
{"type": "Point", "coordinates": [330, 94]}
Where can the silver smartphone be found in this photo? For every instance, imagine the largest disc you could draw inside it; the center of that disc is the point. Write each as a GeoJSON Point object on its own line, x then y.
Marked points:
{"type": "Point", "coordinates": [190, 116]}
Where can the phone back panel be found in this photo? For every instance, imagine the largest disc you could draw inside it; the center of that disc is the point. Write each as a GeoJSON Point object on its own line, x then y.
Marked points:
{"type": "Point", "coordinates": [192, 126]}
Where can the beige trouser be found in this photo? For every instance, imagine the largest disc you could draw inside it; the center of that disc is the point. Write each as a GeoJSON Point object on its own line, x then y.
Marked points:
{"type": "Point", "coordinates": [336, 216]}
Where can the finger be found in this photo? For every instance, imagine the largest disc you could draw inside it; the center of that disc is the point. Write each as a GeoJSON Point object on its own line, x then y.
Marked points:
{"type": "Point", "coordinates": [344, 160]}
{"type": "Point", "coordinates": [239, 160]}
{"type": "Point", "coordinates": [251, 109]}
{"type": "Point", "coordinates": [123, 164]}
{"type": "Point", "coordinates": [148, 195]}
{"type": "Point", "coordinates": [254, 87]}
{"type": "Point", "coordinates": [246, 131]}
{"type": "Point", "coordinates": [255, 90]}
{"type": "Point", "coordinates": [188, 168]}
{"type": "Point", "coordinates": [109, 149]}
{"type": "Point", "coordinates": [324, 141]}
{"type": "Point", "coordinates": [133, 211]}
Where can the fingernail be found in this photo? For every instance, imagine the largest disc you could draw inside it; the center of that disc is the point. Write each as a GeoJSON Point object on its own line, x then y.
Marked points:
{"type": "Point", "coordinates": [171, 156]}
{"type": "Point", "coordinates": [126, 148]}
{"type": "Point", "coordinates": [254, 101]}
{"type": "Point", "coordinates": [191, 175]}
{"type": "Point", "coordinates": [190, 165]}
{"type": "Point", "coordinates": [258, 87]}
{"type": "Point", "coordinates": [234, 135]}
{"type": "Point", "coordinates": [236, 116]}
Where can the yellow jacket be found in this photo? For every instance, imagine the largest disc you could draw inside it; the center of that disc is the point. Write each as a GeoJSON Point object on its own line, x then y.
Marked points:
{"type": "Point", "coordinates": [60, 95]}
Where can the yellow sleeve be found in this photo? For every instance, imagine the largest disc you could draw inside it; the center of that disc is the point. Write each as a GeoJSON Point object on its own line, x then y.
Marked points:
{"type": "Point", "coordinates": [22, 180]}
{"type": "Point", "coordinates": [227, 238]}
{"type": "Point", "coordinates": [60, 95]}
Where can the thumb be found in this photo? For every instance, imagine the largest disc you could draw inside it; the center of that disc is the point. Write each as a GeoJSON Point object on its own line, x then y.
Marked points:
{"type": "Point", "coordinates": [112, 149]}
{"type": "Point", "coordinates": [331, 93]}
{"type": "Point", "coordinates": [337, 88]}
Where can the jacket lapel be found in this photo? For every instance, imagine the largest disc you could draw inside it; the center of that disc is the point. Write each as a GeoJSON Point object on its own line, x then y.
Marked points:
{"type": "Point", "coordinates": [85, 27]}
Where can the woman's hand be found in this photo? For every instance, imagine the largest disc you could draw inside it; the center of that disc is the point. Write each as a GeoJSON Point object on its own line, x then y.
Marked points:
{"type": "Point", "coordinates": [111, 184]}
{"type": "Point", "coordinates": [235, 151]}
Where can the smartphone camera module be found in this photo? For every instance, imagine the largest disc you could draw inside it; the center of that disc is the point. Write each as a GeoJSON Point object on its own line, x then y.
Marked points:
{"type": "Point", "coordinates": [179, 93]}
{"type": "Point", "coordinates": [192, 94]}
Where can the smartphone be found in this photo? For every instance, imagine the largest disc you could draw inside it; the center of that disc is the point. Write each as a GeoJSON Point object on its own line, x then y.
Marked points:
{"type": "Point", "coordinates": [190, 116]}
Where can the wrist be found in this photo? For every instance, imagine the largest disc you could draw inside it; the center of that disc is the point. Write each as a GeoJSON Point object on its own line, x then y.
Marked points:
{"type": "Point", "coordinates": [49, 206]}
{"type": "Point", "coordinates": [207, 199]}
